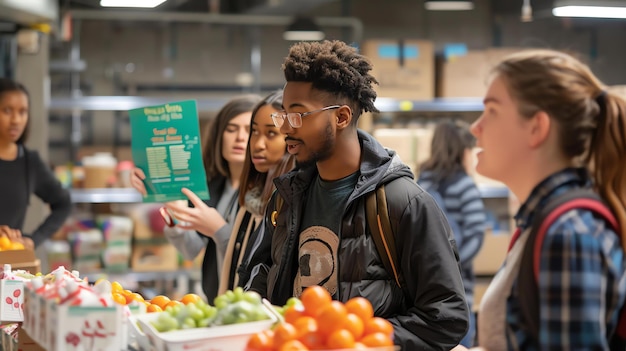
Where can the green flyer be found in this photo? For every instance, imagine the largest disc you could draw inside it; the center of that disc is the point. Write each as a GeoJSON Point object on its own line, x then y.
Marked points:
{"type": "Point", "coordinates": [165, 142]}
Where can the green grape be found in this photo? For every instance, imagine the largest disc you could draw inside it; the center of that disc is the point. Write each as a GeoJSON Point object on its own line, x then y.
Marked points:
{"type": "Point", "coordinates": [188, 323]}
{"type": "Point", "coordinates": [205, 322]}
{"type": "Point", "coordinates": [194, 312]}
{"type": "Point", "coordinates": [221, 301]}
{"type": "Point", "coordinates": [293, 301]}
{"type": "Point", "coordinates": [209, 311]}
{"type": "Point", "coordinates": [252, 297]}
{"type": "Point", "coordinates": [239, 294]}
{"type": "Point", "coordinates": [230, 296]}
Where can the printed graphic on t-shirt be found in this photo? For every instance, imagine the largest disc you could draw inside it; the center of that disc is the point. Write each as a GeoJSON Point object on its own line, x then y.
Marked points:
{"type": "Point", "coordinates": [317, 259]}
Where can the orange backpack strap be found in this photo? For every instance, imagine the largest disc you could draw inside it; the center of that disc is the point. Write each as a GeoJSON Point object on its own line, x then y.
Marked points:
{"type": "Point", "coordinates": [377, 215]}
{"type": "Point", "coordinates": [278, 204]}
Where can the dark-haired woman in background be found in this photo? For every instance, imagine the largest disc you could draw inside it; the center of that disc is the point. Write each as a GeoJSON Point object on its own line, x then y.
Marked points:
{"type": "Point", "coordinates": [22, 173]}
{"type": "Point", "coordinates": [445, 172]}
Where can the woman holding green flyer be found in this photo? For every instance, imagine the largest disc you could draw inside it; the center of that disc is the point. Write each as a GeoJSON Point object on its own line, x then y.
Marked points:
{"type": "Point", "coordinates": [208, 224]}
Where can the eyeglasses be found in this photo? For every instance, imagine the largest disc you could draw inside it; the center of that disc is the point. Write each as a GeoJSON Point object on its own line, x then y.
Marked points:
{"type": "Point", "coordinates": [295, 118]}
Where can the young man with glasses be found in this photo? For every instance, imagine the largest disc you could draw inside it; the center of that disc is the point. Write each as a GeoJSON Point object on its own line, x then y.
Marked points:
{"type": "Point", "coordinates": [321, 235]}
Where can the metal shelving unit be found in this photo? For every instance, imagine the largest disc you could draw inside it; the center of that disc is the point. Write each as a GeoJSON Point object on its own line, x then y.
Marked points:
{"type": "Point", "coordinates": [124, 103]}
{"type": "Point", "coordinates": [493, 191]}
{"type": "Point", "coordinates": [128, 195]}
{"type": "Point", "coordinates": [105, 195]}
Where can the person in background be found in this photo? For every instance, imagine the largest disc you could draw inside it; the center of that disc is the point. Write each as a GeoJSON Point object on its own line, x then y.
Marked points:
{"type": "Point", "coordinates": [23, 172]}
{"type": "Point", "coordinates": [266, 159]}
{"type": "Point", "coordinates": [208, 224]}
{"type": "Point", "coordinates": [321, 236]}
{"type": "Point", "coordinates": [445, 172]}
{"type": "Point", "coordinates": [549, 128]}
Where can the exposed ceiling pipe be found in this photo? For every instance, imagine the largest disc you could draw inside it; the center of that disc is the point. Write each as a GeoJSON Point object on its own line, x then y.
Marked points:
{"type": "Point", "coordinates": [226, 19]}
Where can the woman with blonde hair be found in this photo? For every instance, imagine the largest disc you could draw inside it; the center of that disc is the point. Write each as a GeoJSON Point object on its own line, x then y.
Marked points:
{"type": "Point", "coordinates": [551, 128]}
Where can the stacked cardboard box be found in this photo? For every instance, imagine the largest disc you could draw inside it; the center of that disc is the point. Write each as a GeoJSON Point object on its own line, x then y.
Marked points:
{"type": "Point", "coordinates": [405, 69]}
{"type": "Point", "coordinates": [467, 74]}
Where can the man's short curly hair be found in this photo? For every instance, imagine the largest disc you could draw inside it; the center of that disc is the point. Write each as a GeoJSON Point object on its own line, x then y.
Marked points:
{"type": "Point", "coordinates": [336, 68]}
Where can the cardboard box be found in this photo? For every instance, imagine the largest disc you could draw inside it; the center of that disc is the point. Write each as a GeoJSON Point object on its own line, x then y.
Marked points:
{"type": "Point", "coordinates": [153, 256]}
{"type": "Point", "coordinates": [405, 69]}
{"type": "Point", "coordinates": [492, 253]}
{"type": "Point", "coordinates": [467, 75]}
{"type": "Point", "coordinates": [21, 259]}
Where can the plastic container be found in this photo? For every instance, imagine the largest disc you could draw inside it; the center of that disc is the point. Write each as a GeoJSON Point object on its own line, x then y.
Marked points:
{"type": "Point", "coordinates": [218, 338]}
{"type": "Point", "coordinates": [99, 169]}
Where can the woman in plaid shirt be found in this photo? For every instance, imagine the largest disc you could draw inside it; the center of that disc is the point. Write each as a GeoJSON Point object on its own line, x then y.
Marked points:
{"type": "Point", "coordinates": [549, 127]}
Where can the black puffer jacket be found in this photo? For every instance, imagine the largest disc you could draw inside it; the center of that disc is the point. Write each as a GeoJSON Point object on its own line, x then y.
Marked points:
{"type": "Point", "coordinates": [434, 316]}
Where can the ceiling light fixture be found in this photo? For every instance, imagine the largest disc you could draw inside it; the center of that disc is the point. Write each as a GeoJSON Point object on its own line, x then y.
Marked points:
{"type": "Point", "coordinates": [599, 9]}
{"type": "Point", "coordinates": [303, 29]}
{"type": "Point", "coordinates": [131, 3]}
{"type": "Point", "coordinates": [448, 5]}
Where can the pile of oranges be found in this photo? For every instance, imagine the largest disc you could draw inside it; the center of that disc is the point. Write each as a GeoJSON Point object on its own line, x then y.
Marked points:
{"type": "Point", "coordinates": [158, 304]}
{"type": "Point", "coordinates": [323, 324]}
{"type": "Point", "coordinates": [7, 244]}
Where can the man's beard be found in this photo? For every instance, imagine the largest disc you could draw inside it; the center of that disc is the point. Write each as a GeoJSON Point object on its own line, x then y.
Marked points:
{"type": "Point", "coordinates": [324, 152]}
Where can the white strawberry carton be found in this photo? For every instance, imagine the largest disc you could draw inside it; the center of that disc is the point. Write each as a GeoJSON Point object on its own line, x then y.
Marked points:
{"type": "Point", "coordinates": [12, 300]}
{"type": "Point", "coordinates": [86, 328]}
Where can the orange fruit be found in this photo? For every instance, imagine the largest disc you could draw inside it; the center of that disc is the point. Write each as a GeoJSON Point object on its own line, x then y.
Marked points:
{"type": "Point", "coordinates": [116, 287]}
{"type": "Point", "coordinates": [293, 313]}
{"type": "Point", "coordinates": [118, 298]}
{"type": "Point", "coordinates": [354, 325]}
{"type": "Point", "coordinates": [293, 345]}
{"type": "Point", "coordinates": [17, 246]}
{"type": "Point", "coordinates": [332, 317]}
{"type": "Point", "coordinates": [160, 300]}
{"type": "Point", "coordinates": [5, 243]}
{"type": "Point", "coordinates": [154, 308]}
{"type": "Point", "coordinates": [137, 297]}
{"type": "Point", "coordinates": [314, 299]}
{"type": "Point", "coordinates": [340, 339]}
{"type": "Point", "coordinates": [361, 307]}
{"type": "Point", "coordinates": [378, 325]}
{"type": "Point", "coordinates": [262, 341]}
{"type": "Point", "coordinates": [190, 298]}
{"type": "Point", "coordinates": [283, 333]}
{"type": "Point", "coordinates": [376, 340]}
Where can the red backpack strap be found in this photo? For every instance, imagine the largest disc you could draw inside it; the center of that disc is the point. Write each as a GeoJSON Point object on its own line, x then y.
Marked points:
{"type": "Point", "coordinates": [593, 205]}
{"type": "Point", "coordinates": [528, 275]}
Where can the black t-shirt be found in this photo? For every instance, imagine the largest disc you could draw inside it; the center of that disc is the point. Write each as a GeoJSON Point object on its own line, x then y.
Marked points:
{"type": "Point", "coordinates": [18, 179]}
{"type": "Point", "coordinates": [319, 239]}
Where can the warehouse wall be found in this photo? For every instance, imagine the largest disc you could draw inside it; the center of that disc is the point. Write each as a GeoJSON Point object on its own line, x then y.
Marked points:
{"type": "Point", "coordinates": [138, 54]}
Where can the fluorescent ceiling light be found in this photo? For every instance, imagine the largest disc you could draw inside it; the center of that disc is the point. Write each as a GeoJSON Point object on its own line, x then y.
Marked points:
{"type": "Point", "coordinates": [599, 9]}
{"type": "Point", "coordinates": [303, 29]}
{"type": "Point", "coordinates": [445, 5]}
{"type": "Point", "coordinates": [131, 3]}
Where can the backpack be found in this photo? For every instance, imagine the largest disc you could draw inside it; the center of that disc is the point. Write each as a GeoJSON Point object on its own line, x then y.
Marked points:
{"type": "Point", "coordinates": [377, 215]}
{"type": "Point", "coordinates": [528, 275]}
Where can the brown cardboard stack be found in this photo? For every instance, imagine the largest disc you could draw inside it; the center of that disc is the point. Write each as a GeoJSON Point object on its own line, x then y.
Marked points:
{"type": "Point", "coordinates": [467, 75]}
{"type": "Point", "coordinates": [21, 259]}
{"type": "Point", "coordinates": [405, 69]}
{"type": "Point", "coordinates": [492, 253]}
{"type": "Point", "coordinates": [151, 250]}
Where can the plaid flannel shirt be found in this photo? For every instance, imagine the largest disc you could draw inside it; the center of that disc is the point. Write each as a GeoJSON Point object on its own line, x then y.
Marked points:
{"type": "Point", "coordinates": [582, 282]}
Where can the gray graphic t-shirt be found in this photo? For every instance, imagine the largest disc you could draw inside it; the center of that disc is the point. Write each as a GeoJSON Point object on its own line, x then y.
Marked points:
{"type": "Point", "coordinates": [319, 239]}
